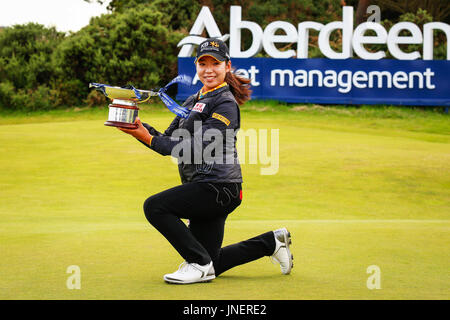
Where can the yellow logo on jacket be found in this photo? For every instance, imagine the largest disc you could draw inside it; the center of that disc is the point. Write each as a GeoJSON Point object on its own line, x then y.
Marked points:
{"type": "Point", "coordinates": [221, 118]}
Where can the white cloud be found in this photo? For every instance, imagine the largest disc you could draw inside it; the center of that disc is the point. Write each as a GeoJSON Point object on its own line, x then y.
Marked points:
{"type": "Point", "coordinates": [65, 15]}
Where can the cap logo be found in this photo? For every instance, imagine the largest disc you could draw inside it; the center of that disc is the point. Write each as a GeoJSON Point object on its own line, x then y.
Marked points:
{"type": "Point", "coordinates": [214, 44]}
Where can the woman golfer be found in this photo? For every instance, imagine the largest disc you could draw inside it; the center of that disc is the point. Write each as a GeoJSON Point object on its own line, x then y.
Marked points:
{"type": "Point", "coordinates": [210, 190]}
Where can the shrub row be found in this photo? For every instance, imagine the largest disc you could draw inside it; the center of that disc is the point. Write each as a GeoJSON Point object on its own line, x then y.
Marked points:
{"type": "Point", "coordinates": [41, 68]}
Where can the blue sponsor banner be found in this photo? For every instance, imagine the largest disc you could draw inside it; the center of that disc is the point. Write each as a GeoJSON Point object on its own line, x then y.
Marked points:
{"type": "Point", "coordinates": [350, 81]}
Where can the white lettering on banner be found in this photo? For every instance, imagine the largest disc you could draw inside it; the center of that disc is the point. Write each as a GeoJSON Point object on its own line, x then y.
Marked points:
{"type": "Point", "coordinates": [359, 39]}
{"type": "Point", "coordinates": [428, 39]}
{"type": "Point", "coordinates": [345, 80]}
{"type": "Point", "coordinates": [249, 74]}
{"type": "Point", "coordinates": [347, 32]}
{"type": "Point", "coordinates": [394, 40]}
{"type": "Point", "coordinates": [352, 40]}
{"type": "Point", "coordinates": [236, 25]}
{"type": "Point", "coordinates": [270, 38]}
{"type": "Point", "coordinates": [303, 37]}
{"type": "Point", "coordinates": [205, 20]}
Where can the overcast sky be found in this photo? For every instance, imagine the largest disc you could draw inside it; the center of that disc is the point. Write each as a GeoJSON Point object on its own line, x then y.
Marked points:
{"type": "Point", "coordinates": [65, 15]}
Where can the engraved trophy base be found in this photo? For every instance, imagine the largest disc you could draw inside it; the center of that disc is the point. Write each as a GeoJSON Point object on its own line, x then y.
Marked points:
{"type": "Point", "coordinates": [122, 114]}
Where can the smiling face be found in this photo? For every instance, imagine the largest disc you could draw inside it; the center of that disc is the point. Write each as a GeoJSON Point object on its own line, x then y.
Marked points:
{"type": "Point", "coordinates": [211, 72]}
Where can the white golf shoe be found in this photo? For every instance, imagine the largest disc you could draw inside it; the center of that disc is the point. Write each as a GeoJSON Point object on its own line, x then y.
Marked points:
{"type": "Point", "coordinates": [282, 254]}
{"type": "Point", "coordinates": [191, 273]}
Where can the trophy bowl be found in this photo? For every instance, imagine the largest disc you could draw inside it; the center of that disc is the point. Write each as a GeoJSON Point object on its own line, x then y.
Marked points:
{"type": "Point", "coordinates": [122, 114]}
{"type": "Point", "coordinates": [123, 110]}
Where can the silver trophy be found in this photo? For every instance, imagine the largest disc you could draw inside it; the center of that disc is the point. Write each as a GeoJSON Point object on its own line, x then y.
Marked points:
{"type": "Point", "coordinates": [123, 110]}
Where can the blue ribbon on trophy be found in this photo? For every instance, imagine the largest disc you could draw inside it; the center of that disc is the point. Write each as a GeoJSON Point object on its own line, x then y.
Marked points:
{"type": "Point", "coordinates": [169, 102]}
{"type": "Point", "coordinates": [123, 110]}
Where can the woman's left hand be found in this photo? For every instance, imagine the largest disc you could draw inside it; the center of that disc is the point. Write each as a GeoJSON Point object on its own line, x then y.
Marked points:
{"type": "Point", "coordinates": [139, 133]}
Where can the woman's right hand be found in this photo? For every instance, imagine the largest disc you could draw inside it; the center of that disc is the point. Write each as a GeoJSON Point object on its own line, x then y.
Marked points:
{"type": "Point", "coordinates": [140, 133]}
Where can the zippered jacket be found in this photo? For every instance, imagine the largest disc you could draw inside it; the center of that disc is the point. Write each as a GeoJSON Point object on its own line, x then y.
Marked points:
{"type": "Point", "coordinates": [205, 145]}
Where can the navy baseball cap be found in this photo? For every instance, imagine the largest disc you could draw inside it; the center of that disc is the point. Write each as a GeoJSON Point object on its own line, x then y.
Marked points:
{"type": "Point", "coordinates": [214, 48]}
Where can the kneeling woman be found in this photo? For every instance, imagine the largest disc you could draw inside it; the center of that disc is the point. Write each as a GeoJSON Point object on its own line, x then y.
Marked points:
{"type": "Point", "coordinates": [210, 190]}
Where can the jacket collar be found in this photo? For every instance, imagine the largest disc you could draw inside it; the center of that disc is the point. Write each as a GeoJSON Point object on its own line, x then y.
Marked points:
{"type": "Point", "coordinates": [213, 92]}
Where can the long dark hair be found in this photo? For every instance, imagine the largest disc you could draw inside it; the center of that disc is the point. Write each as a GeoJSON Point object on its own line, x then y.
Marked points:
{"type": "Point", "coordinates": [239, 86]}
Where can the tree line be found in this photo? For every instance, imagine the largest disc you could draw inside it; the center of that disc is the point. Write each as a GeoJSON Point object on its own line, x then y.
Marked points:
{"type": "Point", "coordinates": [42, 69]}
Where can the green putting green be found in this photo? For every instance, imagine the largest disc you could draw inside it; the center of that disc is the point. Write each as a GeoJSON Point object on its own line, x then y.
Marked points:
{"type": "Point", "coordinates": [356, 188]}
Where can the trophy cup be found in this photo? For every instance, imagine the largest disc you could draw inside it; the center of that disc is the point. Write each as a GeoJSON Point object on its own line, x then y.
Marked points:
{"type": "Point", "coordinates": [123, 110]}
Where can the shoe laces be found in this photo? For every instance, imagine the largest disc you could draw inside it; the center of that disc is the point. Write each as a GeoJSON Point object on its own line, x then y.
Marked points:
{"type": "Point", "coordinates": [184, 267]}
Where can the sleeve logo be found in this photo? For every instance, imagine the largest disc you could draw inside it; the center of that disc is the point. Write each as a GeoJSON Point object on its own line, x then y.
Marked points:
{"type": "Point", "coordinates": [199, 107]}
{"type": "Point", "coordinates": [221, 118]}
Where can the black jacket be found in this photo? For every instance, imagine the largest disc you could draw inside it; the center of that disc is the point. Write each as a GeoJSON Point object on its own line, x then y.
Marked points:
{"type": "Point", "coordinates": [217, 111]}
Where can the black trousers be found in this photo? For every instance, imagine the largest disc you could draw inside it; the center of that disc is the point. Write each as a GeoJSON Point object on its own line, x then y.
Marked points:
{"type": "Point", "coordinates": [207, 206]}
